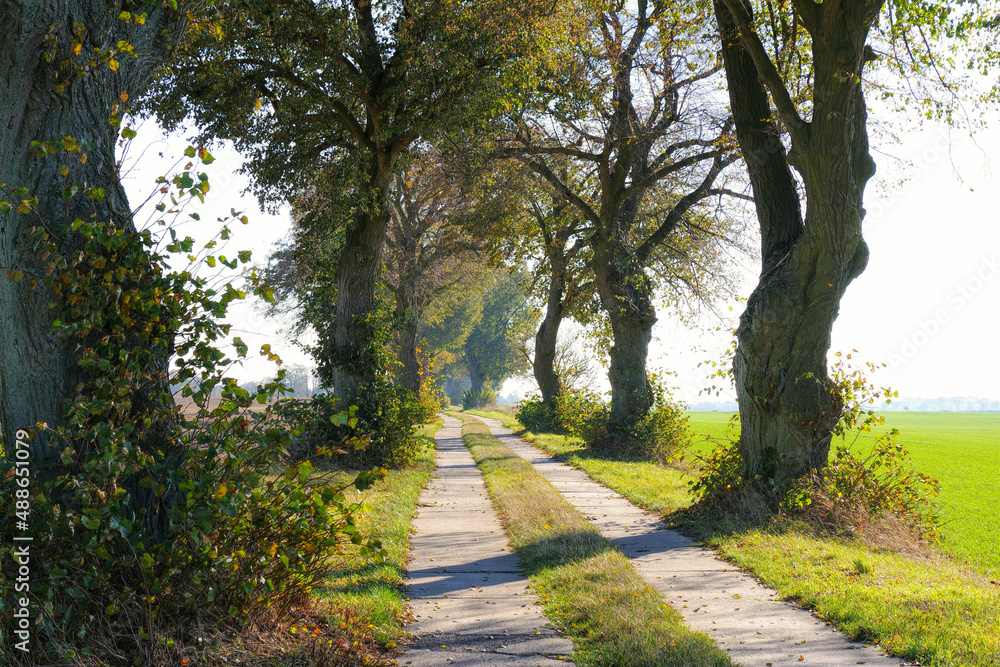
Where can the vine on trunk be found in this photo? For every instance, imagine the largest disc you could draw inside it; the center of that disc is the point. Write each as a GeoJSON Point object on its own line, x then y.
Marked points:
{"type": "Point", "coordinates": [152, 520]}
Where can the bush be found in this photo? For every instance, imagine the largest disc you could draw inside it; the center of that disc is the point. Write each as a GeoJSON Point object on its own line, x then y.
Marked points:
{"type": "Point", "coordinates": [151, 521]}
{"type": "Point", "coordinates": [378, 431]}
{"type": "Point", "coordinates": [875, 494]}
{"type": "Point", "coordinates": [476, 400]}
{"type": "Point", "coordinates": [429, 401]}
{"type": "Point", "coordinates": [387, 417]}
{"type": "Point", "coordinates": [537, 416]}
{"type": "Point", "coordinates": [659, 435]}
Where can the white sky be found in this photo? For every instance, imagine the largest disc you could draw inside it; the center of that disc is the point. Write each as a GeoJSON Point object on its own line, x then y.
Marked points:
{"type": "Point", "coordinates": [927, 305]}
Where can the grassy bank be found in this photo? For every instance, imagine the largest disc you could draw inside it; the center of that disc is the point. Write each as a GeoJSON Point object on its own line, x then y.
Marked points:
{"type": "Point", "coordinates": [587, 587]}
{"type": "Point", "coordinates": [930, 608]}
{"type": "Point", "coordinates": [368, 595]}
{"type": "Point", "coordinates": [961, 450]}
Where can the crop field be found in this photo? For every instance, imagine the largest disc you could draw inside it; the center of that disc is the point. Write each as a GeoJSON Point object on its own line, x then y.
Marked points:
{"type": "Point", "coordinates": [960, 449]}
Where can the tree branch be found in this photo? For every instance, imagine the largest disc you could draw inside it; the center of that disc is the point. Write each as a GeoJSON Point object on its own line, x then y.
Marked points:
{"type": "Point", "coordinates": [769, 74]}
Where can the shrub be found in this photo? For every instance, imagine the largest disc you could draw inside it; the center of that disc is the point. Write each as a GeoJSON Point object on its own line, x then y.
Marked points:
{"type": "Point", "coordinates": [660, 435]}
{"type": "Point", "coordinates": [152, 521]}
{"type": "Point", "coordinates": [481, 399]}
{"type": "Point", "coordinates": [387, 417]}
{"type": "Point", "coordinates": [873, 493]}
{"type": "Point", "coordinates": [536, 415]}
{"type": "Point", "coordinates": [430, 400]}
{"type": "Point", "coordinates": [315, 423]}
{"type": "Point", "coordinates": [377, 431]}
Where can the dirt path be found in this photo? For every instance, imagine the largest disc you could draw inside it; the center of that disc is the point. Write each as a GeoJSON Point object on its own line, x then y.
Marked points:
{"type": "Point", "coordinates": [472, 603]}
{"type": "Point", "coordinates": [744, 617]}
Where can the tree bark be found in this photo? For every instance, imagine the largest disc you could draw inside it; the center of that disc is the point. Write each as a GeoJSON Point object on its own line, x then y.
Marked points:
{"type": "Point", "coordinates": [36, 370]}
{"type": "Point", "coordinates": [543, 365]}
{"type": "Point", "coordinates": [357, 278]}
{"type": "Point", "coordinates": [626, 296]}
{"type": "Point", "coordinates": [409, 373]}
{"type": "Point", "coordinates": [477, 379]}
{"type": "Point", "coordinates": [788, 404]}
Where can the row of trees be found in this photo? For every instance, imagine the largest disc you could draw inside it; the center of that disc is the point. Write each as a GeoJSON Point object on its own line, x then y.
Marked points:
{"type": "Point", "coordinates": [597, 144]}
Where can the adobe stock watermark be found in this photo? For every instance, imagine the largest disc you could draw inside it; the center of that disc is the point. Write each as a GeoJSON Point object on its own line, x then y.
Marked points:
{"type": "Point", "coordinates": [21, 550]}
{"type": "Point", "coordinates": [957, 299]}
{"type": "Point", "coordinates": [919, 165]}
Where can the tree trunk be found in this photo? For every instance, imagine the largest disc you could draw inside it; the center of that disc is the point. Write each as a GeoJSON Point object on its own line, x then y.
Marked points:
{"type": "Point", "coordinates": [409, 375]}
{"type": "Point", "coordinates": [36, 370]}
{"type": "Point", "coordinates": [477, 379]}
{"type": "Point", "coordinates": [357, 279]}
{"type": "Point", "coordinates": [788, 404]}
{"type": "Point", "coordinates": [626, 296]}
{"type": "Point", "coordinates": [547, 337]}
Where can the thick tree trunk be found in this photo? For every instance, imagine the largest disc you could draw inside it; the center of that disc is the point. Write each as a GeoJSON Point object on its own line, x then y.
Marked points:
{"type": "Point", "coordinates": [544, 366]}
{"type": "Point", "coordinates": [477, 379]}
{"type": "Point", "coordinates": [36, 370]}
{"type": "Point", "coordinates": [626, 296]}
{"type": "Point", "coordinates": [357, 279]}
{"type": "Point", "coordinates": [788, 405]}
{"type": "Point", "coordinates": [409, 372]}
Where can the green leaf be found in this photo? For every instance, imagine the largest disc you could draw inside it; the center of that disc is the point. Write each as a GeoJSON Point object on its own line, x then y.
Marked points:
{"type": "Point", "coordinates": [90, 522]}
{"type": "Point", "coordinates": [305, 469]}
{"type": "Point", "coordinates": [14, 276]}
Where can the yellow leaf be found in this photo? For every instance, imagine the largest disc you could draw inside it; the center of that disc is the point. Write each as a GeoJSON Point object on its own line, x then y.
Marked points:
{"type": "Point", "coordinates": [257, 104]}
{"type": "Point", "coordinates": [221, 491]}
{"type": "Point", "coordinates": [113, 64]}
{"type": "Point", "coordinates": [77, 48]}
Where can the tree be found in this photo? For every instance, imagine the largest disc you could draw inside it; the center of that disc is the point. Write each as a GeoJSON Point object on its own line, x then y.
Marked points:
{"type": "Point", "coordinates": [788, 404]}
{"type": "Point", "coordinates": [492, 349]}
{"type": "Point", "coordinates": [523, 220]}
{"type": "Point", "coordinates": [625, 105]}
{"type": "Point", "coordinates": [68, 70]}
{"type": "Point", "coordinates": [340, 90]}
{"type": "Point", "coordinates": [428, 251]}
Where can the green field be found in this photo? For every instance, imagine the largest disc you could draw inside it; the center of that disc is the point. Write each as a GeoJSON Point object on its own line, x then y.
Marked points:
{"type": "Point", "coordinates": [961, 450]}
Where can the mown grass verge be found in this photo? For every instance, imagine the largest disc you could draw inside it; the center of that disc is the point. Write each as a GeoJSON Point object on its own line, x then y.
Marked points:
{"type": "Point", "coordinates": [925, 607]}
{"type": "Point", "coordinates": [587, 587]}
{"type": "Point", "coordinates": [368, 595]}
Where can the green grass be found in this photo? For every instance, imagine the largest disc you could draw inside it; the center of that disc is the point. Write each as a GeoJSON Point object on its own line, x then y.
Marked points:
{"type": "Point", "coordinates": [962, 451]}
{"type": "Point", "coordinates": [587, 587]}
{"type": "Point", "coordinates": [934, 610]}
{"type": "Point", "coordinates": [368, 594]}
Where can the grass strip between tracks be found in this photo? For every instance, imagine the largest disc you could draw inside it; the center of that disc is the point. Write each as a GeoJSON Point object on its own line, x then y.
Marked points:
{"type": "Point", "coordinates": [926, 607]}
{"type": "Point", "coordinates": [588, 589]}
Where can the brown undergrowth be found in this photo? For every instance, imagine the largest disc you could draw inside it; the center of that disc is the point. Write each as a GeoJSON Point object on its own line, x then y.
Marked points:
{"type": "Point", "coordinates": [315, 635]}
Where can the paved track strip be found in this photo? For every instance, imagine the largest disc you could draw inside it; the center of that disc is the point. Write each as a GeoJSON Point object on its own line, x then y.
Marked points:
{"type": "Point", "coordinates": [744, 617]}
{"type": "Point", "coordinates": [472, 603]}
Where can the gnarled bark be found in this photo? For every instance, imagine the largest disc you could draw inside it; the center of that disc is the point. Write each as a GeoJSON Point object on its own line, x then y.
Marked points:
{"type": "Point", "coordinates": [357, 278]}
{"type": "Point", "coordinates": [788, 404]}
{"type": "Point", "coordinates": [35, 369]}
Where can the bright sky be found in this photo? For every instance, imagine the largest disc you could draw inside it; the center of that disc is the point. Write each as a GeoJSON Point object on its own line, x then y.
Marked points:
{"type": "Point", "coordinates": [927, 305]}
